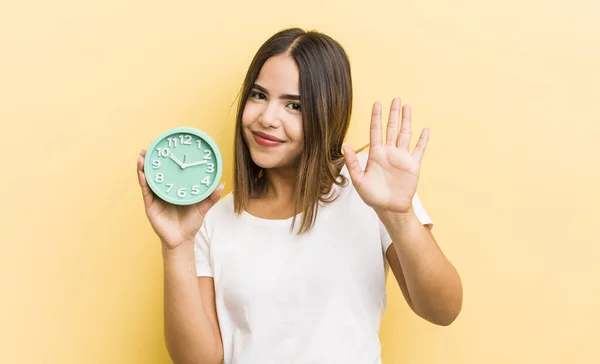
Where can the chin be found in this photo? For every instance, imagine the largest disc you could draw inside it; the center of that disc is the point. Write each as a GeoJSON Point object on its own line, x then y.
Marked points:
{"type": "Point", "coordinates": [273, 159]}
{"type": "Point", "coordinates": [267, 160]}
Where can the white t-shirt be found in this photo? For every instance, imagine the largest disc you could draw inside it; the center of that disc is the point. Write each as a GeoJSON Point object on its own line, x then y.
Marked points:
{"type": "Point", "coordinates": [316, 298]}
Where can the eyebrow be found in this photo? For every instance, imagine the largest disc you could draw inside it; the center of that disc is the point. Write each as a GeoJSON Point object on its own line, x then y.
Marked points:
{"type": "Point", "coordinates": [284, 97]}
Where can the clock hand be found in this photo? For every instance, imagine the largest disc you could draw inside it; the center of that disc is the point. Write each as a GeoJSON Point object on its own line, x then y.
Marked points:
{"type": "Point", "coordinates": [176, 160]}
{"type": "Point", "coordinates": [195, 163]}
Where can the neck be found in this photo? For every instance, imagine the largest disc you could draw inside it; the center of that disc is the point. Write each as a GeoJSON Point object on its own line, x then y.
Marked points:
{"type": "Point", "coordinates": [281, 183]}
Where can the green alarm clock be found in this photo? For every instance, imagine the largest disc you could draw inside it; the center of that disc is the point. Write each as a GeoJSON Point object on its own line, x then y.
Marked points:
{"type": "Point", "coordinates": [183, 166]}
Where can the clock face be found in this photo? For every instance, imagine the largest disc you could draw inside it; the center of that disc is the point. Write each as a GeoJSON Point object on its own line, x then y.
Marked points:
{"type": "Point", "coordinates": [183, 166]}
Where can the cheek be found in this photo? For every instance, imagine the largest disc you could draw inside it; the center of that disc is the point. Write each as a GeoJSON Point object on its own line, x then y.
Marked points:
{"type": "Point", "coordinates": [250, 113]}
{"type": "Point", "coordinates": [295, 130]}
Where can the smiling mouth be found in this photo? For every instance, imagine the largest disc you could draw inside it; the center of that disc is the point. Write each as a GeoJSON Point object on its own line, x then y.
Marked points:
{"type": "Point", "coordinates": [266, 139]}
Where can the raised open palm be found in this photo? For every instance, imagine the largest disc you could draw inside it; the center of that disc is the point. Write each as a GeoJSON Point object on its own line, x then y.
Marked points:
{"type": "Point", "coordinates": [173, 224]}
{"type": "Point", "coordinates": [390, 178]}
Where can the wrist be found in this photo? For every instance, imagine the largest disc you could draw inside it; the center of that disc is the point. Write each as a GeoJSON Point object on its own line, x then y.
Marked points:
{"type": "Point", "coordinates": [396, 217]}
{"type": "Point", "coordinates": [177, 250]}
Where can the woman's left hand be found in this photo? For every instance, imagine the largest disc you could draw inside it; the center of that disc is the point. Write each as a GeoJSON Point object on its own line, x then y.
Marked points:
{"type": "Point", "coordinates": [390, 178]}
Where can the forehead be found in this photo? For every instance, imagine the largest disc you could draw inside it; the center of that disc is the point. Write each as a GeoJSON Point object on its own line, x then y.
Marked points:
{"type": "Point", "coordinates": [280, 75]}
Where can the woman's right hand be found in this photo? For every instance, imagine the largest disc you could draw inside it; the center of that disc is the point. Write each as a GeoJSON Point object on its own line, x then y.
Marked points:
{"type": "Point", "coordinates": [173, 224]}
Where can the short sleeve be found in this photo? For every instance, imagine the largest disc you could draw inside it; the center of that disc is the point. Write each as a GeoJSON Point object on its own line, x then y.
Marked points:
{"type": "Point", "coordinates": [202, 252]}
{"type": "Point", "coordinates": [421, 213]}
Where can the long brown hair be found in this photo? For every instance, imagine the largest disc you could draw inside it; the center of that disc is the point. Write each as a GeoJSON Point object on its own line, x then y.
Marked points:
{"type": "Point", "coordinates": [326, 99]}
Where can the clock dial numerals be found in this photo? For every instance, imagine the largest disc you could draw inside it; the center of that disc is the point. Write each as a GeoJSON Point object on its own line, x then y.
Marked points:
{"type": "Point", "coordinates": [210, 168]}
{"type": "Point", "coordinates": [207, 153]}
{"type": "Point", "coordinates": [195, 190]}
{"type": "Point", "coordinates": [163, 152]}
{"type": "Point", "coordinates": [206, 181]}
{"type": "Point", "coordinates": [155, 164]}
{"type": "Point", "coordinates": [185, 139]}
{"type": "Point", "coordinates": [159, 178]}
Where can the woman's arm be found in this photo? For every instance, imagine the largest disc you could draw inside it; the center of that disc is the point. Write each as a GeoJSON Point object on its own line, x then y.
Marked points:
{"type": "Point", "coordinates": [429, 282]}
{"type": "Point", "coordinates": [191, 326]}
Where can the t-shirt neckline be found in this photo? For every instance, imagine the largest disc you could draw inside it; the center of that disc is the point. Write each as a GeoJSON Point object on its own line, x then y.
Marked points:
{"type": "Point", "coordinates": [270, 222]}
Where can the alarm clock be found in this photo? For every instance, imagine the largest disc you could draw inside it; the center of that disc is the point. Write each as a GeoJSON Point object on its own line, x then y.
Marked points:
{"type": "Point", "coordinates": [183, 166]}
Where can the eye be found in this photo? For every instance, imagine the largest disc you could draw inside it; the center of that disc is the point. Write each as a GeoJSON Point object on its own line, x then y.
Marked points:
{"type": "Point", "coordinates": [295, 106]}
{"type": "Point", "coordinates": [257, 95]}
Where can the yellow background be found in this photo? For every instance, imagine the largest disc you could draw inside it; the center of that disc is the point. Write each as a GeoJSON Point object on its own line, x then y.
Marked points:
{"type": "Point", "coordinates": [511, 175]}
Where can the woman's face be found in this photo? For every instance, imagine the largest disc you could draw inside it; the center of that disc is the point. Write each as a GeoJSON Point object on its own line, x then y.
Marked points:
{"type": "Point", "coordinates": [272, 119]}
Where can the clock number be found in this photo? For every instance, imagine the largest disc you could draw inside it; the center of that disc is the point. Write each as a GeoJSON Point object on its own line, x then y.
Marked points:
{"type": "Point", "coordinates": [208, 154]}
{"type": "Point", "coordinates": [170, 185]}
{"type": "Point", "coordinates": [195, 189]}
{"type": "Point", "coordinates": [172, 142]}
{"type": "Point", "coordinates": [181, 192]}
{"type": "Point", "coordinates": [185, 139]}
{"type": "Point", "coordinates": [211, 167]}
{"type": "Point", "coordinates": [163, 152]}
{"type": "Point", "coordinates": [159, 177]}
{"type": "Point", "coordinates": [199, 141]}
{"type": "Point", "coordinates": [155, 163]}
{"type": "Point", "coordinates": [206, 181]}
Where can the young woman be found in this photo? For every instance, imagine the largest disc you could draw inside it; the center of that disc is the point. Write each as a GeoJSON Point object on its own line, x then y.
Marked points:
{"type": "Point", "coordinates": [291, 266]}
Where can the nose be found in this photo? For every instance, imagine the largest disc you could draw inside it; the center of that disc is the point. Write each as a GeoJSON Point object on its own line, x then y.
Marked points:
{"type": "Point", "coordinates": [269, 116]}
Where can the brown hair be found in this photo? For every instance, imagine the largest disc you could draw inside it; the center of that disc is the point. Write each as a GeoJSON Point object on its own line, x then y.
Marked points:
{"type": "Point", "coordinates": [326, 98]}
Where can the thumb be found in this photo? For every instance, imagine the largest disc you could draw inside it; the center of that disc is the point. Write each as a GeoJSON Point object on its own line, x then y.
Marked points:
{"type": "Point", "coordinates": [216, 195]}
{"type": "Point", "coordinates": [206, 204]}
{"type": "Point", "coordinates": [356, 172]}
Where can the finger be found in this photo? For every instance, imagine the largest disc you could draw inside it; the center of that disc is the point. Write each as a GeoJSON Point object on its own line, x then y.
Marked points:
{"type": "Point", "coordinates": [214, 197]}
{"type": "Point", "coordinates": [376, 124]}
{"type": "Point", "coordinates": [405, 128]}
{"type": "Point", "coordinates": [421, 144]}
{"type": "Point", "coordinates": [146, 192]}
{"type": "Point", "coordinates": [143, 153]}
{"type": "Point", "coordinates": [392, 127]}
{"type": "Point", "coordinates": [354, 169]}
